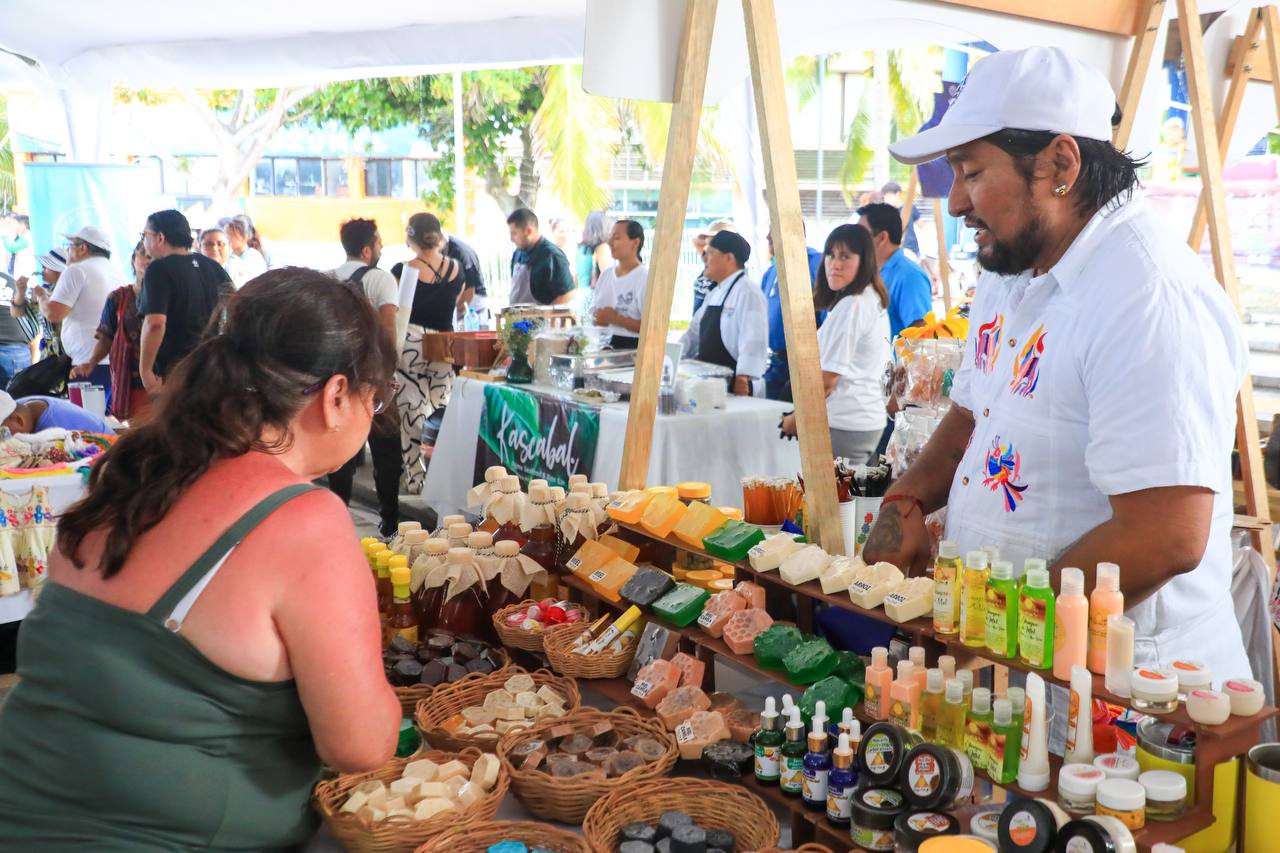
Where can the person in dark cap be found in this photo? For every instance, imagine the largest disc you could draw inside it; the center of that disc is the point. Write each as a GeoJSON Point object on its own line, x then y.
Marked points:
{"type": "Point", "coordinates": [731, 327]}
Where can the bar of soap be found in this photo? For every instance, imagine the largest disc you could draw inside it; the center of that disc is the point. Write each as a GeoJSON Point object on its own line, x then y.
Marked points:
{"type": "Point", "coordinates": [646, 586]}
{"type": "Point", "coordinates": [718, 609]}
{"type": "Point", "coordinates": [688, 839]}
{"type": "Point", "coordinates": [680, 704]}
{"type": "Point", "coordinates": [355, 802]}
{"type": "Point", "coordinates": [450, 769]}
{"type": "Point", "coordinates": [870, 584]}
{"type": "Point", "coordinates": [427, 809]}
{"type": "Point", "coordinates": [769, 554]}
{"type": "Point", "coordinates": [647, 747]}
{"type": "Point", "coordinates": [609, 579]}
{"type": "Point", "coordinates": [431, 790]}
{"type": "Point", "coordinates": [600, 754]}
{"type": "Point", "coordinates": [773, 644]}
{"type": "Point", "coordinates": [752, 593]}
{"type": "Point", "coordinates": [743, 627]}
{"type": "Point", "coordinates": [639, 832]}
{"type": "Point", "coordinates": [623, 762]}
{"type": "Point", "coordinates": [691, 669]}
{"type": "Point", "coordinates": [681, 605]}
{"type": "Point", "coordinates": [910, 600]}
{"type": "Point", "coordinates": [742, 723]}
{"type": "Point", "coordinates": [839, 574]}
{"type": "Point", "coordinates": [804, 565]}
{"type": "Point", "coordinates": [727, 760]}
{"type": "Point", "coordinates": [698, 521]}
{"type": "Point", "coordinates": [621, 547]}
{"type": "Point", "coordinates": [404, 787]}
{"type": "Point", "coordinates": [575, 745]}
{"type": "Point", "coordinates": [485, 771]}
{"type": "Point", "coordinates": [670, 821]}
{"type": "Point", "coordinates": [470, 794]}
{"type": "Point", "coordinates": [810, 661]}
{"type": "Point", "coordinates": [656, 641]}
{"type": "Point", "coordinates": [662, 515]}
{"type": "Point", "coordinates": [702, 729]}
{"type": "Point", "coordinates": [733, 541]}
{"type": "Point", "coordinates": [629, 506]}
{"type": "Point", "coordinates": [654, 681]}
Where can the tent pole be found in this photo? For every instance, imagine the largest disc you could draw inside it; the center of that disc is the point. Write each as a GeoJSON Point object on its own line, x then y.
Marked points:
{"type": "Point", "coordinates": [822, 512]}
{"type": "Point", "coordinates": [1245, 53]}
{"type": "Point", "coordinates": [673, 200]}
{"type": "Point", "coordinates": [1135, 75]}
{"type": "Point", "coordinates": [1214, 193]}
{"type": "Point", "coordinates": [944, 260]}
{"type": "Point", "coordinates": [459, 161]}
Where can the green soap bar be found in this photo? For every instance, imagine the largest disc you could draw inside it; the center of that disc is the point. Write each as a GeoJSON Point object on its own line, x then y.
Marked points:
{"type": "Point", "coordinates": [810, 662]}
{"type": "Point", "coordinates": [773, 644]}
{"type": "Point", "coordinates": [733, 540]}
{"type": "Point", "coordinates": [851, 668]}
{"type": "Point", "coordinates": [835, 692]}
{"type": "Point", "coordinates": [681, 605]}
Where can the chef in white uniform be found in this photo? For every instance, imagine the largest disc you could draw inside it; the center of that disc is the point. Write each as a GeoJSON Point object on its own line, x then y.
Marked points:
{"type": "Point", "coordinates": [731, 327]}
{"type": "Point", "coordinates": [1094, 413]}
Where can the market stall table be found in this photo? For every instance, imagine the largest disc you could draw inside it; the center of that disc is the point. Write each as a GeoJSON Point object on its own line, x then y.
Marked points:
{"type": "Point", "coordinates": [719, 447]}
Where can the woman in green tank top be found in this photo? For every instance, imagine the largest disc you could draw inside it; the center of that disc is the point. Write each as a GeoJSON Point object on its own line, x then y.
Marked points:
{"type": "Point", "coordinates": [208, 634]}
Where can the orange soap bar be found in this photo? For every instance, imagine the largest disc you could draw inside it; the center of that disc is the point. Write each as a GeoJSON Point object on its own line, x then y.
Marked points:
{"type": "Point", "coordinates": [720, 585]}
{"type": "Point", "coordinates": [698, 521]}
{"type": "Point", "coordinates": [731, 512]}
{"type": "Point", "coordinates": [622, 548]}
{"type": "Point", "coordinates": [702, 729]}
{"type": "Point", "coordinates": [590, 557]}
{"type": "Point", "coordinates": [726, 569]}
{"type": "Point", "coordinates": [743, 627]}
{"type": "Point", "coordinates": [655, 681]}
{"type": "Point", "coordinates": [702, 577]}
{"type": "Point", "coordinates": [691, 669]}
{"type": "Point", "coordinates": [680, 704]}
{"type": "Point", "coordinates": [718, 609]}
{"type": "Point", "coordinates": [662, 515]}
{"type": "Point", "coordinates": [752, 592]}
{"type": "Point", "coordinates": [628, 507]}
{"type": "Point", "coordinates": [609, 578]}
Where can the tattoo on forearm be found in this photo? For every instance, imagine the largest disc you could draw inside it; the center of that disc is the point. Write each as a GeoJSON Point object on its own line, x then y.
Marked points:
{"type": "Point", "coordinates": [886, 536]}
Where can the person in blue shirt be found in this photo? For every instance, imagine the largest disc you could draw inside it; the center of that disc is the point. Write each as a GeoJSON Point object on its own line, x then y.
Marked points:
{"type": "Point", "coordinates": [910, 289]}
{"type": "Point", "coordinates": [777, 379]}
{"type": "Point", "coordinates": [33, 414]}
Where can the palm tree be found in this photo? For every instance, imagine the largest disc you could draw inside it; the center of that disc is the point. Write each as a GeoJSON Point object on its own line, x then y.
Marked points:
{"type": "Point", "coordinates": [8, 182]}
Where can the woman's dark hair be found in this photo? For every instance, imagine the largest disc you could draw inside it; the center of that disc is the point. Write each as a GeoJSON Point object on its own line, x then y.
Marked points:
{"type": "Point", "coordinates": [425, 231]}
{"type": "Point", "coordinates": [1106, 172]}
{"type": "Point", "coordinates": [634, 231]}
{"type": "Point", "coordinates": [243, 225]}
{"type": "Point", "coordinates": [856, 239]}
{"type": "Point", "coordinates": [173, 226]}
{"type": "Point", "coordinates": [286, 330]}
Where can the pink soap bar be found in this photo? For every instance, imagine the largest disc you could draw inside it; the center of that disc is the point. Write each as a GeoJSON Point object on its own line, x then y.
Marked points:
{"type": "Point", "coordinates": [753, 593]}
{"type": "Point", "coordinates": [702, 729]}
{"type": "Point", "coordinates": [716, 612]}
{"type": "Point", "coordinates": [691, 669]}
{"type": "Point", "coordinates": [655, 681]}
{"type": "Point", "coordinates": [680, 704]}
{"type": "Point", "coordinates": [740, 633]}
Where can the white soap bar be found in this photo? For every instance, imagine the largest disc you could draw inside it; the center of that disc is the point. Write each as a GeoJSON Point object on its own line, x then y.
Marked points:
{"type": "Point", "coordinates": [804, 565]}
{"type": "Point", "coordinates": [355, 802]}
{"type": "Point", "coordinates": [770, 553]}
{"type": "Point", "coordinates": [485, 771]}
{"type": "Point", "coordinates": [911, 600]}
{"type": "Point", "coordinates": [404, 786]}
{"type": "Point", "coordinates": [395, 804]}
{"type": "Point", "coordinates": [370, 787]}
{"type": "Point", "coordinates": [428, 809]}
{"type": "Point", "coordinates": [432, 790]}
{"type": "Point", "coordinates": [424, 770]}
{"type": "Point", "coordinates": [405, 812]}
{"type": "Point", "coordinates": [470, 794]}
{"type": "Point", "coordinates": [372, 814]}
{"type": "Point", "coordinates": [838, 575]}
{"type": "Point", "coordinates": [450, 769]}
{"type": "Point", "coordinates": [870, 584]}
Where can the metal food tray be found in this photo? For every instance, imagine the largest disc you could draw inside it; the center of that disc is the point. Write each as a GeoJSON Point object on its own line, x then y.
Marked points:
{"type": "Point", "coordinates": [569, 372]}
{"type": "Point", "coordinates": [619, 380]}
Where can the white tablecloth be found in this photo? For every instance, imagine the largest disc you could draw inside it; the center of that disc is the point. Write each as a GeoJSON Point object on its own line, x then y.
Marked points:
{"type": "Point", "coordinates": [719, 448]}
{"type": "Point", "coordinates": [64, 490]}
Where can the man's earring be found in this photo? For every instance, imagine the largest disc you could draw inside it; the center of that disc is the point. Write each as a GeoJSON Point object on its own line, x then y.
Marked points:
{"type": "Point", "coordinates": [1060, 190]}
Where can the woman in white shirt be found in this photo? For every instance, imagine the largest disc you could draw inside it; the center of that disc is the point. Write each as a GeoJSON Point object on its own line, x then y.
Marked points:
{"type": "Point", "coordinates": [620, 288]}
{"type": "Point", "coordinates": [853, 343]}
{"type": "Point", "coordinates": [245, 261]}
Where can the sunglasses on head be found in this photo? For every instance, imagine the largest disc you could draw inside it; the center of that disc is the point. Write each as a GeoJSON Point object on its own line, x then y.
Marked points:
{"type": "Point", "coordinates": [384, 392]}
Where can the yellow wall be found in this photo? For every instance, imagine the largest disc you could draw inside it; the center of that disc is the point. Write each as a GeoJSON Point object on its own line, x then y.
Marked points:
{"type": "Point", "coordinates": [318, 218]}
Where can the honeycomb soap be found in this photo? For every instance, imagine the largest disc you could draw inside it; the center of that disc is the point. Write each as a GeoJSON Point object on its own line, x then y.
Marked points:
{"type": "Point", "coordinates": [716, 613]}
{"type": "Point", "coordinates": [743, 627]}
{"type": "Point", "coordinates": [655, 681]}
{"type": "Point", "coordinates": [702, 729]}
{"type": "Point", "coordinates": [680, 704]}
{"type": "Point", "coordinates": [753, 593]}
{"type": "Point", "coordinates": [691, 669]}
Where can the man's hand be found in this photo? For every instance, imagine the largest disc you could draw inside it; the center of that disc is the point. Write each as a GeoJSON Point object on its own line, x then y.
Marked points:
{"type": "Point", "coordinates": [742, 386]}
{"type": "Point", "coordinates": [151, 382]}
{"type": "Point", "coordinates": [82, 371]}
{"type": "Point", "coordinates": [39, 293]}
{"type": "Point", "coordinates": [788, 424]}
{"type": "Point", "coordinates": [899, 537]}
{"type": "Point", "coordinates": [606, 317]}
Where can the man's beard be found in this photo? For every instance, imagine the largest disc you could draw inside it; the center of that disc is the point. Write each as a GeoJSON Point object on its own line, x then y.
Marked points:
{"type": "Point", "coordinates": [1014, 256]}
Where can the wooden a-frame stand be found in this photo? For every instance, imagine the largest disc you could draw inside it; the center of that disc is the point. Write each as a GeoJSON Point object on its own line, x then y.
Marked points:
{"type": "Point", "coordinates": [1140, 19]}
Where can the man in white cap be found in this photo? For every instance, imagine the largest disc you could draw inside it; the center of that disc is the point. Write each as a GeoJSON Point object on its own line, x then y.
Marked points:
{"type": "Point", "coordinates": [82, 290]}
{"type": "Point", "coordinates": [1094, 412]}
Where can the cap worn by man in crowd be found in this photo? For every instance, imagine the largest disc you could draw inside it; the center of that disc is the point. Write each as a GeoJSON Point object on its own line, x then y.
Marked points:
{"type": "Point", "coordinates": [732, 243]}
{"type": "Point", "coordinates": [1037, 88]}
{"type": "Point", "coordinates": [52, 261]}
{"type": "Point", "coordinates": [8, 406]}
{"type": "Point", "coordinates": [93, 235]}
{"type": "Point", "coordinates": [716, 227]}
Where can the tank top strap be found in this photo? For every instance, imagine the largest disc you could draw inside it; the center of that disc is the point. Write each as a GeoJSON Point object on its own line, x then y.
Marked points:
{"type": "Point", "coordinates": [213, 557]}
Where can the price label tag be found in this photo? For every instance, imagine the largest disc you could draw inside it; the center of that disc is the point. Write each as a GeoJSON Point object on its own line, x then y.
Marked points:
{"type": "Point", "coordinates": [757, 551]}
{"type": "Point", "coordinates": [574, 563]}
{"type": "Point", "coordinates": [705, 620]}
{"type": "Point", "coordinates": [895, 598]}
{"type": "Point", "coordinates": [684, 733]}
{"type": "Point", "coordinates": [597, 576]}
{"type": "Point", "coordinates": [641, 689]}
{"type": "Point", "coordinates": [616, 503]}
{"type": "Point", "coordinates": [861, 586]}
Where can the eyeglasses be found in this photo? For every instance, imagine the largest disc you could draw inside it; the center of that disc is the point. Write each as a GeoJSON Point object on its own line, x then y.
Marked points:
{"type": "Point", "coordinates": [384, 393]}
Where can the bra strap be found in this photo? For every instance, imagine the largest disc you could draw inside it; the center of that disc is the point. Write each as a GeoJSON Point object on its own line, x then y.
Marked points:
{"type": "Point", "coordinates": [224, 544]}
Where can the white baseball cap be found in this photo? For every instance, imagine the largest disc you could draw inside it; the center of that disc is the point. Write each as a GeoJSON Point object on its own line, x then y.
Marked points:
{"type": "Point", "coordinates": [1037, 88]}
{"type": "Point", "coordinates": [8, 405]}
{"type": "Point", "coordinates": [52, 261]}
{"type": "Point", "coordinates": [93, 235]}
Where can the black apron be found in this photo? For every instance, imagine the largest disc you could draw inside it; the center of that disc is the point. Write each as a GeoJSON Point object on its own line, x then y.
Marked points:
{"type": "Point", "coordinates": [623, 342]}
{"type": "Point", "coordinates": [711, 346]}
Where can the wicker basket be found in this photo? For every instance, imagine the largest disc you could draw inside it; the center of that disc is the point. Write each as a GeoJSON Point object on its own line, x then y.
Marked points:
{"type": "Point", "coordinates": [431, 714]}
{"type": "Point", "coordinates": [558, 645]}
{"type": "Point", "coordinates": [811, 847]}
{"type": "Point", "coordinates": [410, 696]}
{"type": "Point", "coordinates": [567, 800]}
{"type": "Point", "coordinates": [519, 638]}
{"type": "Point", "coordinates": [715, 805]}
{"type": "Point", "coordinates": [477, 837]}
{"type": "Point", "coordinates": [359, 835]}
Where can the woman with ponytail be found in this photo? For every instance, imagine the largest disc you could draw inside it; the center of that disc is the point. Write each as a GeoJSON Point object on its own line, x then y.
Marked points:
{"type": "Point", "coordinates": [208, 634]}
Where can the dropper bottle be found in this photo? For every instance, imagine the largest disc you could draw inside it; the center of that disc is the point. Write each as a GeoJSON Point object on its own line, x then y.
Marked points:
{"type": "Point", "coordinates": [793, 751]}
{"type": "Point", "coordinates": [817, 767]}
{"type": "Point", "coordinates": [768, 744]}
{"type": "Point", "coordinates": [840, 782]}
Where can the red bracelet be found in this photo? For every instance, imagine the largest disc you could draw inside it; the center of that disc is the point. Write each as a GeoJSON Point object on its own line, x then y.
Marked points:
{"type": "Point", "coordinates": [913, 501]}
